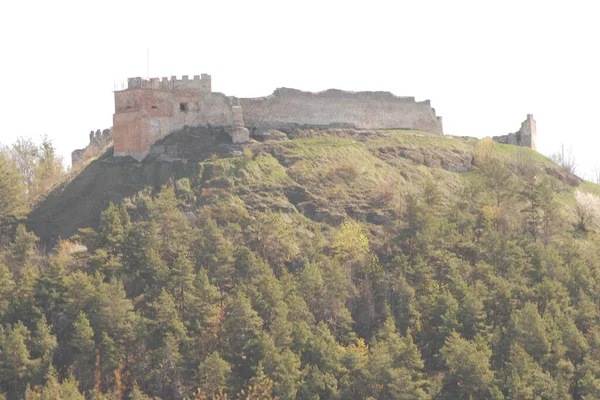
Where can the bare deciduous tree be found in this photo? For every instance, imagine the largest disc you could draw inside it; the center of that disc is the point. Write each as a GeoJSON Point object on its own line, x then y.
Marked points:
{"type": "Point", "coordinates": [25, 154]}
{"type": "Point", "coordinates": [523, 163]}
{"type": "Point", "coordinates": [596, 174]}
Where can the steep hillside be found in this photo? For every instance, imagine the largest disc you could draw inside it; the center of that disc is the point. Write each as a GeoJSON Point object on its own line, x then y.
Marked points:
{"type": "Point", "coordinates": [325, 175]}
{"type": "Point", "coordinates": [78, 202]}
{"type": "Point", "coordinates": [340, 264]}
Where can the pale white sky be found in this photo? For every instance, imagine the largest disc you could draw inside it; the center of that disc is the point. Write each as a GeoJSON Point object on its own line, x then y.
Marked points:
{"type": "Point", "coordinates": [484, 65]}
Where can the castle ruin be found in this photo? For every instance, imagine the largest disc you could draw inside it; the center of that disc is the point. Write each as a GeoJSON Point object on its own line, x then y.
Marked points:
{"type": "Point", "coordinates": [150, 109]}
{"type": "Point", "coordinates": [98, 140]}
{"type": "Point", "coordinates": [525, 137]}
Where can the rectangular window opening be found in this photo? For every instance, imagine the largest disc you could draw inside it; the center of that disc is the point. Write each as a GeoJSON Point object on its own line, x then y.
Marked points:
{"type": "Point", "coordinates": [183, 106]}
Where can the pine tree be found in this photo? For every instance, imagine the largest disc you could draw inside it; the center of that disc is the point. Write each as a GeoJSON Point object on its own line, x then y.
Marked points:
{"type": "Point", "coordinates": [166, 319]}
{"type": "Point", "coordinates": [147, 270]}
{"type": "Point", "coordinates": [283, 367]}
{"type": "Point", "coordinates": [530, 329]}
{"type": "Point", "coordinates": [167, 367]}
{"type": "Point", "coordinates": [44, 345]}
{"type": "Point", "coordinates": [112, 230]}
{"type": "Point", "coordinates": [137, 394]}
{"type": "Point", "coordinates": [181, 281]}
{"type": "Point", "coordinates": [395, 365]}
{"type": "Point", "coordinates": [203, 315]}
{"type": "Point", "coordinates": [525, 378]}
{"type": "Point", "coordinates": [23, 249]}
{"type": "Point", "coordinates": [533, 214]}
{"type": "Point", "coordinates": [83, 347]}
{"type": "Point", "coordinates": [16, 364]}
{"type": "Point", "coordinates": [468, 363]}
{"type": "Point", "coordinates": [55, 390]}
{"type": "Point", "coordinates": [242, 334]}
{"type": "Point", "coordinates": [213, 374]}
{"type": "Point", "coordinates": [549, 210]}
{"type": "Point", "coordinates": [7, 287]}
{"type": "Point", "coordinates": [260, 387]}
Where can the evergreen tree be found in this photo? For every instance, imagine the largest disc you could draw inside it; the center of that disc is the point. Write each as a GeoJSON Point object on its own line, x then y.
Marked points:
{"type": "Point", "coordinates": [167, 319]}
{"type": "Point", "coordinates": [395, 365]}
{"type": "Point", "coordinates": [22, 250]}
{"type": "Point", "coordinates": [137, 394]}
{"type": "Point", "coordinates": [44, 345]}
{"type": "Point", "coordinates": [167, 368]}
{"type": "Point", "coordinates": [16, 365]}
{"type": "Point", "coordinates": [213, 374]}
{"type": "Point", "coordinates": [283, 367]}
{"type": "Point", "coordinates": [55, 390]}
{"type": "Point", "coordinates": [242, 335]}
{"type": "Point", "coordinates": [83, 347]}
{"type": "Point", "coordinates": [112, 229]}
{"type": "Point", "coordinates": [469, 374]}
{"type": "Point", "coordinates": [530, 330]}
{"type": "Point", "coordinates": [525, 378]}
{"type": "Point", "coordinates": [7, 286]}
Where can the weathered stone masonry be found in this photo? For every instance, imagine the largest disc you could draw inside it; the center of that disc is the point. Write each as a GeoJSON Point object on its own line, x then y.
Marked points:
{"type": "Point", "coordinates": [98, 140]}
{"type": "Point", "coordinates": [150, 109]}
{"type": "Point", "coordinates": [525, 137]}
{"type": "Point", "coordinates": [368, 110]}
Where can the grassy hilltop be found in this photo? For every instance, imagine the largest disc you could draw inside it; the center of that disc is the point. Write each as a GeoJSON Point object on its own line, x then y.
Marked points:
{"type": "Point", "coordinates": [324, 175]}
{"type": "Point", "coordinates": [340, 264]}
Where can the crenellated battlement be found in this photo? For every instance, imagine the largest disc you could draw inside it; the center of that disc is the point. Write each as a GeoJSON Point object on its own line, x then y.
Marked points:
{"type": "Point", "coordinates": [201, 83]}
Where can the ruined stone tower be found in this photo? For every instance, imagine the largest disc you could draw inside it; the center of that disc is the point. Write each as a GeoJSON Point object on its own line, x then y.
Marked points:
{"type": "Point", "coordinates": [525, 137]}
{"type": "Point", "coordinates": [528, 132]}
{"type": "Point", "coordinates": [148, 110]}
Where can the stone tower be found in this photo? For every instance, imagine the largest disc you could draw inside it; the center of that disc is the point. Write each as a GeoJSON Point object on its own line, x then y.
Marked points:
{"type": "Point", "coordinates": [528, 132]}
{"type": "Point", "coordinates": [526, 136]}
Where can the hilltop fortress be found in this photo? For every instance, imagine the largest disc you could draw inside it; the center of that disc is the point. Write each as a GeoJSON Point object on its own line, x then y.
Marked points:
{"type": "Point", "coordinates": [150, 109]}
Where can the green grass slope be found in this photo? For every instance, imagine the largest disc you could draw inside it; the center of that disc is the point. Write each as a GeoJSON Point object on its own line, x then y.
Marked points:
{"type": "Point", "coordinates": [326, 175]}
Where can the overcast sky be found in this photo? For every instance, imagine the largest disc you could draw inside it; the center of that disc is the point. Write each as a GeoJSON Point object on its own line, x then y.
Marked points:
{"type": "Point", "coordinates": [484, 65]}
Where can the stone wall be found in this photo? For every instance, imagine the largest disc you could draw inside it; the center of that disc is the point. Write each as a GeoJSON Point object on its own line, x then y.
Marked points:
{"type": "Point", "coordinates": [98, 140]}
{"type": "Point", "coordinates": [525, 137]}
{"type": "Point", "coordinates": [144, 116]}
{"type": "Point", "coordinates": [150, 109]}
{"type": "Point", "coordinates": [372, 110]}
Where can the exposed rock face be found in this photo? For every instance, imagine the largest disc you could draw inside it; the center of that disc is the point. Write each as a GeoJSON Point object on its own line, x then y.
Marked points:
{"type": "Point", "coordinates": [271, 134]}
{"type": "Point", "coordinates": [525, 137]}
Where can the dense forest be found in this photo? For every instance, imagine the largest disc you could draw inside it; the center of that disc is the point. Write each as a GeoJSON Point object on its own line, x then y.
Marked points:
{"type": "Point", "coordinates": [478, 284]}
